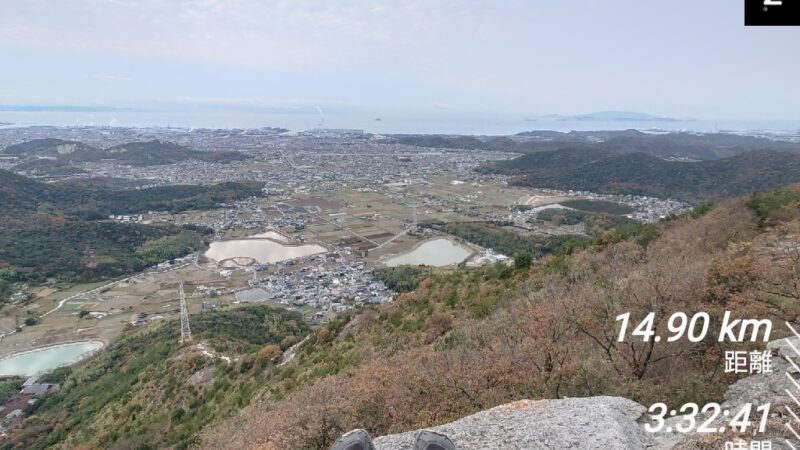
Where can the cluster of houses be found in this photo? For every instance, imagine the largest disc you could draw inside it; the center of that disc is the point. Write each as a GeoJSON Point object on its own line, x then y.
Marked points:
{"type": "Point", "coordinates": [328, 284]}
{"type": "Point", "coordinates": [13, 410]}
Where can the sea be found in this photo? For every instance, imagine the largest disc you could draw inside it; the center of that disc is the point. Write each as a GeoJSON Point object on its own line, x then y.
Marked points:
{"type": "Point", "coordinates": [374, 122]}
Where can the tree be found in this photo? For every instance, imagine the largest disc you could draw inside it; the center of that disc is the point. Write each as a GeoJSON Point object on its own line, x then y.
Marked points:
{"type": "Point", "coordinates": [627, 278]}
{"type": "Point", "coordinates": [268, 353]}
{"type": "Point", "coordinates": [522, 260]}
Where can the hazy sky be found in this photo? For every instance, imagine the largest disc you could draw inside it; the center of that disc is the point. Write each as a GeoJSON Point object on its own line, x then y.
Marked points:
{"type": "Point", "coordinates": [684, 58]}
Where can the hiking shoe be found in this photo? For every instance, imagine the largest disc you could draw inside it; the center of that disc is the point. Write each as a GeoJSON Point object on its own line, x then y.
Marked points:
{"type": "Point", "coordinates": [354, 440]}
{"type": "Point", "coordinates": [431, 440]}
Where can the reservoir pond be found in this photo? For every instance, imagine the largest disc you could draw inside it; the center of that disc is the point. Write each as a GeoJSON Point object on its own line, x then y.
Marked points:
{"type": "Point", "coordinates": [436, 252]}
{"type": "Point", "coordinates": [46, 359]}
{"type": "Point", "coordinates": [264, 250]}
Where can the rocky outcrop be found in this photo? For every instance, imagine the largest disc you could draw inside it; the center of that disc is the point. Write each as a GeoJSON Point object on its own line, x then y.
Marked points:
{"type": "Point", "coordinates": [203, 377]}
{"type": "Point", "coordinates": [572, 423]}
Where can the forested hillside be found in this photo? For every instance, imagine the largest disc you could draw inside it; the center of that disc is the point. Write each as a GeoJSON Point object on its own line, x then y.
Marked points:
{"type": "Point", "coordinates": [147, 153]}
{"type": "Point", "coordinates": [597, 227]}
{"type": "Point", "coordinates": [52, 230]}
{"type": "Point", "coordinates": [52, 148]}
{"type": "Point", "coordinates": [146, 391]}
{"type": "Point", "coordinates": [639, 173]}
{"type": "Point", "coordinates": [703, 146]}
{"type": "Point", "coordinates": [20, 196]}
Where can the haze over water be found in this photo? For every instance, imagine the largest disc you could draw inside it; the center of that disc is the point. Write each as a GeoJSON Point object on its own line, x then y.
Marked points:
{"type": "Point", "coordinates": [392, 123]}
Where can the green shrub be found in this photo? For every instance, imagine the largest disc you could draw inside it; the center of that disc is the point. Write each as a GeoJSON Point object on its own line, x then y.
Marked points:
{"type": "Point", "coordinates": [403, 278]}
{"type": "Point", "coordinates": [767, 206]}
{"type": "Point", "coordinates": [522, 260]}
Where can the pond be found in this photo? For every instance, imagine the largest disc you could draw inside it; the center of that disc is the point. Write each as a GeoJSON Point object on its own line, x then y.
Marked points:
{"type": "Point", "coordinates": [265, 251]}
{"type": "Point", "coordinates": [436, 252]}
{"type": "Point", "coordinates": [46, 359]}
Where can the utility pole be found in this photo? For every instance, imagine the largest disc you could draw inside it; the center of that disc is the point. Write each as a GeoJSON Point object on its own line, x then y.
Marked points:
{"type": "Point", "coordinates": [186, 332]}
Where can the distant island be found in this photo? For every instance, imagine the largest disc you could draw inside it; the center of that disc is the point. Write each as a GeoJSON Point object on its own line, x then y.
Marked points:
{"type": "Point", "coordinates": [606, 116]}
